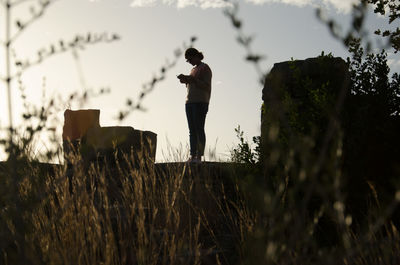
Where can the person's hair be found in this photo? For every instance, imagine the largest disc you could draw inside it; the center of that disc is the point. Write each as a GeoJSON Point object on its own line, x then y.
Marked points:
{"type": "Point", "coordinates": [192, 52]}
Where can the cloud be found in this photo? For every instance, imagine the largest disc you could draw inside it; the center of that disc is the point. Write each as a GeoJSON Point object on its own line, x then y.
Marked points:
{"type": "Point", "coordinates": [204, 4]}
{"type": "Point", "coordinates": [342, 6]}
{"type": "Point", "coordinates": [201, 3]}
{"type": "Point", "coordinates": [143, 3]}
{"type": "Point", "coordinates": [392, 63]}
{"type": "Point", "coordinates": [290, 2]}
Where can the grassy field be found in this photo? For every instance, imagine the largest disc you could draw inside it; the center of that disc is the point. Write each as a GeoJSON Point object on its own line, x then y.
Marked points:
{"type": "Point", "coordinates": [173, 213]}
{"type": "Point", "coordinates": [133, 213]}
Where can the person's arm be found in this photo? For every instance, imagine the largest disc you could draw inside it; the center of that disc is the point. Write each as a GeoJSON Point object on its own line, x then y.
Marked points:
{"type": "Point", "coordinates": [184, 79]}
{"type": "Point", "coordinates": [203, 81]}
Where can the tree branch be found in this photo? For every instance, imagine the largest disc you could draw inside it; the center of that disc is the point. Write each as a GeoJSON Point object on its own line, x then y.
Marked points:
{"type": "Point", "coordinates": [245, 40]}
{"type": "Point", "coordinates": [22, 26]}
{"type": "Point", "coordinates": [357, 30]}
{"type": "Point", "coordinates": [150, 85]}
{"type": "Point", "coordinates": [79, 42]}
{"type": "Point", "coordinates": [17, 2]}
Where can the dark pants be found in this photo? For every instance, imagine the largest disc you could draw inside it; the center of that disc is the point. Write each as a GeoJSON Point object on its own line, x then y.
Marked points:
{"type": "Point", "coordinates": [196, 117]}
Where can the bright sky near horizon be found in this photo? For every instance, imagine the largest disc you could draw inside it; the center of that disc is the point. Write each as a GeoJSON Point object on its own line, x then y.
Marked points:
{"type": "Point", "coordinates": [150, 31]}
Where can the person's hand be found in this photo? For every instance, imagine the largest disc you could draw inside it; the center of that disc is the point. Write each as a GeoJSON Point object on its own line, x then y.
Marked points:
{"type": "Point", "coordinates": [183, 78]}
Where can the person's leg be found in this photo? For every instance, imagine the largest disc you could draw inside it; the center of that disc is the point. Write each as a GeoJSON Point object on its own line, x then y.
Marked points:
{"type": "Point", "coordinates": [200, 115]}
{"type": "Point", "coordinates": [190, 115]}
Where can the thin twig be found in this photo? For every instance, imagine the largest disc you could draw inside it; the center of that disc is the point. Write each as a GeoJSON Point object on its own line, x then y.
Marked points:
{"type": "Point", "coordinates": [150, 85]}
{"type": "Point", "coordinates": [23, 26]}
{"type": "Point", "coordinates": [79, 42]}
{"type": "Point", "coordinates": [245, 40]}
{"type": "Point", "coordinates": [13, 4]}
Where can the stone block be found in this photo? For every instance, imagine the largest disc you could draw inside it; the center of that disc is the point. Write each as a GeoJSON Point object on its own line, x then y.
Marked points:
{"type": "Point", "coordinates": [77, 122]}
{"type": "Point", "coordinates": [104, 140]}
{"type": "Point", "coordinates": [302, 95]}
{"type": "Point", "coordinates": [83, 135]}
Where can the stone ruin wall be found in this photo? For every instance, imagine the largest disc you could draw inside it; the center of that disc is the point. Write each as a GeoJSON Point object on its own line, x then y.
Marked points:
{"type": "Point", "coordinates": [82, 133]}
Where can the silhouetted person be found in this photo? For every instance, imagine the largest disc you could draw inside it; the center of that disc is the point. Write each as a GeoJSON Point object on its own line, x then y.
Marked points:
{"type": "Point", "coordinates": [198, 84]}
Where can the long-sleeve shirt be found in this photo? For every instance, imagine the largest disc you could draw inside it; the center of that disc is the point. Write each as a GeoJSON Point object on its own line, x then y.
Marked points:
{"type": "Point", "coordinates": [199, 90]}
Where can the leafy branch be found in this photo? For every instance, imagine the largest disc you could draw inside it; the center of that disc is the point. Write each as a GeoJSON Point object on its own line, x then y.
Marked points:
{"type": "Point", "coordinates": [132, 105]}
{"type": "Point", "coordinates": [356, 31]}
{"type": "Point", "coordinates": [10, 39]}
{"type": "Point", "coordinates": [78, 42]}
{"type": "Point", "coordinates": [393, 7]}
{"type": "Point", "coordinates": [36, 12]}
{"type": "Point", "coordinates": [390, 9]}
{"type": "Point", "coordinates": [35, 15]}
{"type": "Point", "coordinates": [244, 152]}
{"type": "Point", "coordinates": [231, 11]}
{"type": "Point", "coordinates": [38, 119]}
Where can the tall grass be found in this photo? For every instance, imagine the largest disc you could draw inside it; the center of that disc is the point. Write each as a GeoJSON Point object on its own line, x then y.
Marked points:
{"type": "Point", "coordinates": [135, 212]}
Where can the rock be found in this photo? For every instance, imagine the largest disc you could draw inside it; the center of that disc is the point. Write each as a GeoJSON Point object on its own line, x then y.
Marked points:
{"type": "Point", "coordinates": [105, 140]}
{"type": "Point", "coordinates": [83, 135]}
{"type": "Point", "coordinates": [77, 122]}
{"type": "Point", "coordinates": [300, 96]}
{"type": "Point", "coordinates": [300, 99]}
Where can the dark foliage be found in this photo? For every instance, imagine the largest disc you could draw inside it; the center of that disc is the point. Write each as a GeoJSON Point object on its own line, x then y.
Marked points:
{"type": "Point", "coordinates": [371, 122]}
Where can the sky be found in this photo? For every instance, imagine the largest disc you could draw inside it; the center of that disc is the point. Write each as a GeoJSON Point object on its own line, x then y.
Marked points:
{"type": "Point", "coordinates": [150, 31]}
